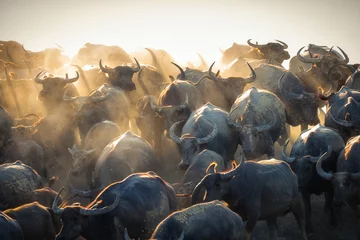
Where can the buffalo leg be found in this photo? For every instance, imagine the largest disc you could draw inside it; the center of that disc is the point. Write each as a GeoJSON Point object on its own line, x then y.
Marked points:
{"type": "Point", "coordinates": [273, 228]}
{"type": "Point", "coordinates": [329, 207]}
{"type": "Point", "coordinates": [307, 204]}
{"type": "Point", "coordinates": [297, 210]}
{"type": "Point", "coordinates": [250, 225]}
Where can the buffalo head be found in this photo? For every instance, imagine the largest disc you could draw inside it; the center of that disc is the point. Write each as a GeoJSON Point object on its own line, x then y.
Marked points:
{"type": "Point", "coordinates": [189, 145]}
{"type": "Point", "coordinates": [215, 186]}
{"type": "Point", "coordinates": [232, 86]}
{"type": "Point", "coordinates": [303, 166]}
{"type": "Point", "coordinates": [121, 76]}
{"type": "Point", "coordinates": [273, 51]}
{"type": "Point", "coordinates": [76, 218]}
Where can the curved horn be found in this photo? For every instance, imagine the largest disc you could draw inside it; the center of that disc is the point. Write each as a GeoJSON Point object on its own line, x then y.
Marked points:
{"type": "Point", "coordinates": [252, 77]}
{"type": "Point", "coordinates": [100, 211]}
{"type": "Point", "coordinates": [138, 67]}
{"type": "Point", "coordinates": [182, 236]}
{"type": "Point", "coordinates": [235, 171]}
{"type": "Point", "coordinates": [197, 190]}
{"type": "Point", "coordinates": [230, 122]}
{"type": "Point", "coordinates": [55, 206]}
{"type": "Point", "coordinates": [319, 169]}
{"type": "Point", "coordinates": [211, 74]}
{"type": "Point", "coordinates": [286, 157]}
{"type": "Point", "coordinates": [172, 134]}
{"type": "Point", "coordinates": [289, 95]}
{"type": "Point", "coordinates": [39, 80]}
{"type": "Point", "coordinates": [104, 69]}
{"type": "Point", "coordinates": [268, 126]}
{"type": "Point", "coordinates": [308, 60]}
{"type": "Point", "coordinates": [210, 136]}
{"type": "Point", "coordinates": [198, 82]}
{"type": "Point", "coordinates": [126, 235]}
{"type": "Point", "coordinates": [326, 96]}
{"type": "Point", "coordinates": [255, 45]}
{"type": "Point", "coordinates": [71, 80]}
{"type": "Point", "coordinates": [182, 73]}
{"type": "Point", "coordinates": [346, 57]}
{"type": "Point", "coordinates": [284, 45]}
{"type": "Point", "coordinates": [315, 159]}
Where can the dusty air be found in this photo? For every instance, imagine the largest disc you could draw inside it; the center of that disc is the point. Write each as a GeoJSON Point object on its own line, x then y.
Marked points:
{"type": "Point", "coordinates": [141, 133]}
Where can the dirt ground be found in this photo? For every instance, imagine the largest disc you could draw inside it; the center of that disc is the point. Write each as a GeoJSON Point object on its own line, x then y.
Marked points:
{"type": "Point", "coordinates": [288, 229]}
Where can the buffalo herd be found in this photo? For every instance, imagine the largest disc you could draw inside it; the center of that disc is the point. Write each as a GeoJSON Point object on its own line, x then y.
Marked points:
{"type": "Point", "coordinates": [111, 145]}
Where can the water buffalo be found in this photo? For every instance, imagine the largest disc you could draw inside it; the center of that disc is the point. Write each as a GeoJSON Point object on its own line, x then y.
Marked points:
{"type": "Point", "coordinates": [145, 194]}
{"type": "Point", "coordinates": [44, 225]}
{"type": "Point", "coordinates": [124, 155]}
{"type": "Point", "coordinates": [20, 184]}
{"type": "Point", "coordinates": [53, 89]}
{"type": "Point", "coordinates": [344, 116]}
{"type": "Point", "coordinates": [121, 76]}
{"type": "Point", "coordinates": [205, 221]}
{"type": "Point", "coordinates": [104, 103]}
{"type": "Point", "coordinates": [91, 53]}
{"type": "Point", "coordinates": [222, 92]}
{"type": "Point", "coordinates": [258, 116]}
{"type": "Point", "coordinates": [328, 68]}
{"type": "Point", "coordinates": [206, 128]}
{"type": "Point", "coordinates": [274, 52]}
{"type": "Point", "coordinates": [176, 102]}
{"type": "Point", "coordinates": [306, 151]}
{"type": "Point", "coordinates": [198, 168]}
{"type": "Point", "coordinates": [84, 158]}
{"type": "Point", "coordinates": [273, 180]}
{"type": "Point", "coordinates": [300, 105]}
{"type": "Point", "coordinates": [346, 177]}
{"type": "Point", "coordinates": [10, 228]}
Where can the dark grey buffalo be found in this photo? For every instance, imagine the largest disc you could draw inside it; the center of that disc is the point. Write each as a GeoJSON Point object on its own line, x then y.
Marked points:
{"type": "Point", "coordinates": [258, 116]}
{"type": "Point", "coordinates": [36, 221]}
{"type": "Point", "coordinates": [123, 156]}
{"type": "Point", "coordinates": [104, 103]}
{"type": "Point", "coordinates": [249, 187]}
{"type": "Point", "coordinates": [206, 128]}
{"type": "Point", "coordinates": [344, 116]}
{"type": "Point", "coordinates": [204, 221]}
{"type": "Point", "coordinates": [305, 153]}
{"type": "Point", "coordinates": [85, 157]}
{"type": "Point", "coordinates": [345, 179]}
{"type": "Point", "coordinates": [300, 105]}
{"type": "Point", "coordinates": [138, 203]}
{"type": "Point", "coordinates": [199, 167]}
{"type": "Point", "coordinates": [177, 101]}
{"type": "Point", "coordinates": [20, 184]}
{"type": "Point", "coordinates": [322, 65]}
{"type": "Point", "coordinates": [9, 228]}
{"type": "Point", "coordinates": [121, 76]}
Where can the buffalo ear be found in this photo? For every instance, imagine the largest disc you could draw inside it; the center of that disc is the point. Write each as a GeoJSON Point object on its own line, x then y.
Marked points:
{"type": "Point", "coordinates": [71, 151]}
{"type": "Point", "coordinates": [212, 168]}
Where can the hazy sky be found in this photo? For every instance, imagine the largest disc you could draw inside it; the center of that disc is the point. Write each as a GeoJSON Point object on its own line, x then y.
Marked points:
{"type": "Point", "coordinates": [181, 27]}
